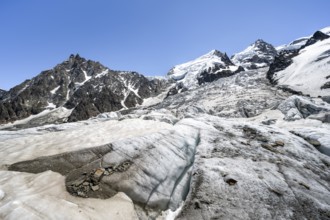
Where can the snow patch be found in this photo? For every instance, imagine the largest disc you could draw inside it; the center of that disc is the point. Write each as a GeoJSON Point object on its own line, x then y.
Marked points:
{"type": "Point", "coordinates": [50, 106]}
{"type": "Point", "coordinates": [55, 90]}
{"type": "Point", "coordinates": [103, 73]}
{"type": "Point", "coordinates": [86, 79]}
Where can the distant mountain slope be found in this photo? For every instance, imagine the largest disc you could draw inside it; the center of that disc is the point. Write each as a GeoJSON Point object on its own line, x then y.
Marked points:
{"type": "Point", "coordinates": [207, 68]}
{"type": "Point", "coordinates": [85, 87]}
{"type": "Point", "coordinates": [305, 70]}
{"type": "Point", "coordinates": [2, 93]}
{"type": "Point", "coordinates": [294, 45]}
{"type": "Point", "coordinates": [298, 43]}
{"type": "Point", "coordinates": [257, 55]}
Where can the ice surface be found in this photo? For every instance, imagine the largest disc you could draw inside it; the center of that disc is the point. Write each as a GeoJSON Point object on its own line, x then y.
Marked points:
{"type": "Point", "coordinates": [43, 196]}
{"type": "Point", "coordinates": [49, 114]}
{"type": "Point", "coordinates": [16, 146]}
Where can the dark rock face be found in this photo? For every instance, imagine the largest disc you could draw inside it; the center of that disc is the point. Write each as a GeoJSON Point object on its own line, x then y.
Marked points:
{"type": "Point", "coordinates": [282, 61]}
{"type": "Point", "coordinates": [217, 73]}
{"type": "Point", "coordinates": [112, 92]}
{"type": "Point", "coordinates": [326, 85]}
{"type": "Point", "coordinates": [85, 85]}
{"type": "Point", "coordinates": [177, 88]}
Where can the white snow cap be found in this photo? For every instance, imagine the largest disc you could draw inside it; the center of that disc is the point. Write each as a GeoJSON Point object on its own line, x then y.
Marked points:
{"type": "Point", "coordinates": [187, 73]}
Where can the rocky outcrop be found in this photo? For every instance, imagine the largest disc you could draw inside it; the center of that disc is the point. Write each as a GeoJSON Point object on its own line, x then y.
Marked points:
{"type": "Point", "coordinates": [219, 167]}
{"type": "Point", "coordinates": [216, 73]}
{"type": "Point", "coordinates": [281, 61]}
{"type": "Point", "coordinates": [297, 107]}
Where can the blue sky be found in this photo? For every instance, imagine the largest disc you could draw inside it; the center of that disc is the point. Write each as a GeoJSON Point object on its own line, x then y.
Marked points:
{"type": "Point", "coordinates": [148, 36]}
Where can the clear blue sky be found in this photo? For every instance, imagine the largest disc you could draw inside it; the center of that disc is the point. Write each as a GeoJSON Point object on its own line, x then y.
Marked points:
{"type": "Point", "coordinates": [148, 36]}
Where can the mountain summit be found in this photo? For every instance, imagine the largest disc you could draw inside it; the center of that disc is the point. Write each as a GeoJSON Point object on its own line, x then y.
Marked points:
{"type": "Point", "coordinates": [207, 68]}
{"type": "Point", "coordinates": [257, 55]}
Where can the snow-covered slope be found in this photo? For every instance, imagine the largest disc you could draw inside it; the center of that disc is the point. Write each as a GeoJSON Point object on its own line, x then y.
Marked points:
{"type": "Point", "coordinates": [257, 55]}
{"type": "Point", "coordinates": [309, 71]}
{"type": "Point", "coordinates": [206, 68]}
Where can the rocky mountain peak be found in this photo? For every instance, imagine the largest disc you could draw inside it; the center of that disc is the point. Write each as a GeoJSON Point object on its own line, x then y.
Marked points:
{"type": "Point", "coordinates": [264, 46]}
{"type": "Point", "coordinates": [218, 54]}
{"type": "Point", "coordinates": [215, 52]}
{"type": "Point", "coordinates": [206, 68]}
{"type": "Point", "coordinates": [257, 55]}
{"type": "Point", "coordinates": [84, 87]}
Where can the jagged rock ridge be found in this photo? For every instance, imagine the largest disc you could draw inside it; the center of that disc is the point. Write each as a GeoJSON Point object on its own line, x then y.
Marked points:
{"type": "Point", "coordinates": [85, 87]}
